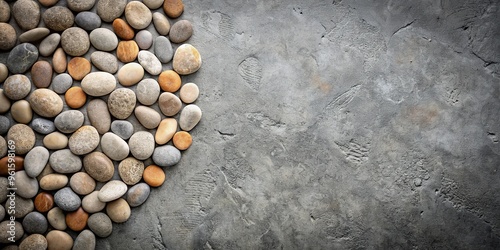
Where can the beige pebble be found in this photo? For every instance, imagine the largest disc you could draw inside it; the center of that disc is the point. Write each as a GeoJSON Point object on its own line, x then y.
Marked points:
{"type": "Point", "coordinates": [99, 166]}
{"type": "Point", "coordinates": [21, 111]}
{"type": "Point", "coordinates": [147, 116]}
{"type": "Point", "coordinates": [118, 210]}
{"type": "Point", "coordinates": [4, 102]}
{"type": "Point", "coordinates": [46, 102]}
{"type": "Point", "coordinates": [82, 183]}
{"type": "Point", "coordinates": [166, 130]}
{"type": "Point", "coordinates": [130, 74]}
{"type": "Point", "coordinates": [59, 240]}
{"type": "Point", "coordinates": [55, 140]}
{"type": "Point", "coordinates": [53, 182]}
{"type": "Point", "coordinates": [59, 61]}
{"type": "Point", "coordinates": [189, 92]}
{"type": "Point", "coordinates": [92, 204]}
{"type": "Point", "coordinates": [169, 104]}
{"type": "Point", "coordinates": [56, 218]}
{"type": "Point", "coordinates": [187, 59]}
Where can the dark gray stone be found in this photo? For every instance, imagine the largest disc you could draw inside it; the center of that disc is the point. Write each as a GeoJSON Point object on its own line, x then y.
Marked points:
{"type": "Point", "coordinates": [67, 200]}
{"type": "Point", "coordinates": [122, 128]}
{"type": "Point", "coordinates": [21, 58]}
{"type": "Point", "coordinates": [138, 194]}
{"type": "Point", "coordinates": [100, 224]}
{"type": "Point", "coordinates": [43, 126]}
{"type": "Point", "coordinates": [4, 124]}
{"type": "Point", "coordinates": [88, 20]}
{"type": "Point", "coordinates": [35, 223]}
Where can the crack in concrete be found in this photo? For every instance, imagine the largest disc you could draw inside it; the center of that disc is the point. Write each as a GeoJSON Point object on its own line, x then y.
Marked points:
{"type": "Point", "coordinates": [404, 27]}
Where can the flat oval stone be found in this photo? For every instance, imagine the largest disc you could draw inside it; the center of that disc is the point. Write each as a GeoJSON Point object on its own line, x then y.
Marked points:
{"type": "Point", "coordinates": [190, 116]}
{"type": "Point", "coordinates": [69, 121]}
{"type": "Point", "coordinates": [34, 35]}
{"type": "Point", "coordinates": [147, 116]}
{"type": "Point", "coordinates": [35, 223]}
{"type": "Point", "coordinates": [16, 87]}
{"type": "Point", "coordinates": [173, 8]}
{"type": "Point", "coordinates": [104, 61]}
{"type": "Point", "coordinates": [44, 202]}
{"type": "Point", "coordinates": [21, 112]}
{"type": "Point", "coordinates": [55, 141]}
{"type": "Point", "coordinates": [79, 67]}
{"type": "Point", "coordinates": [23, 207]}
{"type": "Point", "coordinates": [75, 41]}
{"type": "Point", "coordinates": [154, 176]}
{"type": "Point", "coordinates": [8, 37]}
{"type": "Point", "coordinates": [166, 130]}
{"type": "Point", "coordinates": [82, 183]}
{"type": "Point", "coordinates": [121, 103]}
{"type": "Point", "coordinates": [59, 61]}
{"type": "Point", "coordinates": [163, 49]}
{"type": "Point", "coordinates": [123, 30]}
{"type": "Point", "coordinates": [33, 241]}
{"type": "Point", "coordinates": [181, 31]}
{"type": "Point", "coordinates": [27, 187]}
{"type": "Point", "coordinates": [99, 166]}
{"type": "Point", "coordinates": [161, 23]}
{"type": "Point", "coordinates": [77, 220]}
{"type": "Point", "coordinates": [18, 164]}
{"type": "Point", "coordinates": [26, 13]}
{"type": "Point", "coordinates": [114, 146]}
{"type": "Point", "coordinates": [130, 170]}
{"type": "Point", "coordinates": [149, 62]}
{"type": "Point", "coordinates": [166, 156]}
{"type": "Point", "coordinates": [65, 162]}
{"type": "Point", "coordinates": [147, 91]}
{"type": "Point", "coordinates": [58, 18]}
{"type": "Point", "coordinates": [103, 39]}
{"type": "Point", "coordinates": [144, 39]}
{"type": "Point", "coordinates": [127, 51]}
{"type": "Point", "coordinates": [35, 161]}
{"type": "Point", "coordinates": [100, 224]}
{"type": "Point", "coordinates": [153, 4]}
{"type": "Point", "coordinates": [21, 58]}
{"type": "Point", "coordinates": [49, 44]}
{"type": "Point", "coordinates": [118, 210]}
{"type": "Point", "coordinates": [4, 231]}
{"type": "Point", "coordinates": [88, 20]}
{"type": "Point", "coordinates": [169, 81]}
{"type": "Point", "coordinates": [85, 240]}
{"type": "Point", "coordinates": [108, 10]}
{"type": "Point", "coordinates": [138, 15]}
{"type": "Point", "coordinates": [84, 140]}
{"type": "Point", "coordinates": [98, 83]}
{"type": "Point", "coordinates": [80, 5]}
{"type": "Point", "coordinates": [169, 104]}
{"type": "Point", "coordinates": [41, 74]}
{"type": "Point", "coordinates": [67, 200]}
{"type": "Point", "coordinates": [138, 194]}
{"type": "Point", "coordinates": [112, 190]}
{"type": "Point", "coordinates": [122, 128]}
{"type": "Point", "coordinates": [141, 145]}
{"type": "Point", "coordinates": [57, 219]}
{"type": "Point", "coordinates": [5, 12]}
{"type": "Point", "coordinates": [75, 97]}
{"type": "Point", "coordinates": [23, 137]}
{"type": "Point", "coordinates": [53, 182]}
{"type": "Point", "coordinates": [92, 204]}
{"type": "Point", "coordinates": [130, 74]}
{"type": "Point", "coordinates": [189, 92]}
{"type": "Point", "coordinates": [46, 102]}
{"type": "Point", "coordinates": [187, 59]}
{"type": "Point", "coordinates": [59, 240]}
{"type": "Point", "coordinates": [182, 140]}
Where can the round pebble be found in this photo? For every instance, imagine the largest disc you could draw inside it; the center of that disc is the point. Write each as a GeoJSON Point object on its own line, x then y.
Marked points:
{"type": "Point", "coordinates": [55, 140]}
{"type": "Point", "coordinates": [163, 49]}
{"type": "Point", "coordinates": [26, 13]}
{"type": "Point", "coordinates": [33, 242]}
{"type": "Point", "coordinates": [18, 164]}
{"type": "Point", "coordinates": [57, 219]}
{"type": "Point", "coordinates": [147, 91]}
{"type": "Point", "coordinates": [21, 111]}
{"type": "Point", "coordinates": [189, 92]}
{"type": "Point", "coordinates": [75, 97]}
{"type": "Point", "coordinates": [138, 194]}
{"type": "Point", "coordinates": [173, 8]}
{"type": "Point", "coordinates": [161, 23]}
{"type": "Point", "coordinates": [98, 114]}
{"type": "Point", "coordinates": [85, 240]}
{"type": "Point", "coordinates": [58, 18]}
{"type": "Point", "coordinates": [35, 223]}
{"type": "Point", "coordinates": [44, 202]}
{"type": "Point", "coordinates": [4, 105]}
{"type": "Point", "coordinates": [130, 74]}
{"type": "Point", "coordinates": [181, 31]}
{"type": "Point", "coordinates": [166, 130]}
{"type": "Point", "coordinates": [35, 161]}
{"type": "Point", "coordinates": [112, 190]}
{"type": "Point", "coordinates": [5, 12]}
{"type": "Point", "coordinates": [169, 104]}
{"type": "Point", "coordinates": [46, 102]}
{"type": "Point", "coordinates": [33, 35]}
{"type": "Point", "coordinates": [153, 4]}
{"type": "Point", "coordinates": [23, 207]}
{"type": "Point", "coordinates": [149, 62]}
{"type": "Point", "coordinates": [127, 51]}
{"type": "Point", "coordinates": [75, 41]}
{"type": "Point", "coordinates": [82, 183]}
{"type": "Point", "coordinates": [41, 74]}
{"type": "Point", "coordinates": [88, 20]}
{"type": "Point", "coordinates": [99, 166]}
{"type": "Point", "coordinates": [59, 61]}
{"type": "Point", "coordinates": [78, 68]}
{"type": "Point", "coordinates": [98, 83]}
{"type": "Point", "coordinates": [123, 30]}
{"type": "Point", "coordinates": [5, 228]}
{"type": "Point", "coordinates": [147, 116]}
{"type": "Point", "coordinates": [49, 44]}
{"type": "Point", "coordinates": [154, 176]}
{"type": "Point", "coordinates": [104, 61]}
{"type": "Point", "coordinates": [118, 210]}
{"type": "Point", "coordinates": [27, 187]}
{"type": "Point", "coordinates": [77, 220]}
{"type": "Point", "coordinates": [138, 15]}
{"type": "Point", "coordinates": [108, 10]}
{"type": "Point", "coordinates": [182, 140]}
{"type": "Point", "coordinates": [100, 224]}
{"type": "Point", "coordinates": [103, 39]}
{"type": "Point", "coordinates": [65, 162]}
{"type": "Point", "coordinates": [169, 81]}
{"type": "Point", "coordinates": [67, 200]}
{"type": "Point", "coordinates": [8, 36]}
{"type": "Point", "coordinates": [59, 240]}
{"type": "Point", "coordinates": [114, 146]}
{"type": "Point", "coordinates": [141, 145]}
{"type": "Point", "coordinates": [121, 103]}
{"type": "Point", "coordinates": [4, 71]}
{"type": "Point", "coordinates": [190, 116]}
{"type": "Point", "coordinates": [166, 156]}
{"type": "Point", "coordinates": [130, 170]}
{"type": "Point", "coordinates": [92, 204]}
{"type": "Point", "coordinates": [122, 128]}
{"type": "Point", "coordinates": [80, 5]}
{"type": "Point", "coordinates": [4, 124]}
{"type": "Point", "coordinates": [144, 39]}
{"type": "Point", "coordinates": [69, 121]}
{"type": "Point", "coordinates": [23, 137]}
{"type": "Point", "coordinates": [16, 87]}
{"type": "Point", "coordinates": [84, 140]}
{"type": "Point", "coordinates": [187, 59]}
{"type": "Point", "coordinates": [48, 3]}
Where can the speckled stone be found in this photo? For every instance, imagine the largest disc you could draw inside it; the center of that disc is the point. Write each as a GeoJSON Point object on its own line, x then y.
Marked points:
{"type": "Point", "coordinates": [16, 87]}
{"type": "Point", "coordinates": [98, 83]}
{"type": "Point", "coordinates": [122, 128]}
{"type": "Point", "coordinates": [8, 36]}
{"type": "Point", "coordinates": [147, 116]}
{"type": "Point", "coordinates": [169, 104]}
{"type": "Point", "coordinates": [103, 39]}
{"type": "Point", "coordinates": [67, 200]}
{"type": "Point", "coordinates": [4, 231]}
{"type": "Point", "coordinates": [3, 147]}
{"type": "Point", "coordinates": [144, 39]}
{"type": "Point", "coordinates": [118, 210]}
{"type": "Point", "coordinates": [35, 223]}
{"type": "Point", "coordinates": [55, 141]}
{"type": "Point", "coordinates": [99, 166]}
{"type": "Point", "coordinates": [80, 5]}
{"type": "Point", "coordinates": [161, 23]}
{"type": "Point", "coordinates": [114, 147]}
{"type": "Point", "coordinates": [130, 170]}
{"type": "Point", "coordinates": [92, 204]}
{"type": "Point", "coordinates": [77, 220]}
{"type": "Point", "coordinates": [26, 13]}
{"type": "Point", "coordinates": [5, 11]}
{"type": "Point", "coordinates": [69, 121]}
{"type": "Point", "coordinates": [189, 92]}
{"type": "Point", "coordinates": [46, 102]}
{"type": "Point", "coordinates": [138, 194]}
{"type": "Point", "coordinates": [127, 51]}
{"type": "Point", "coordinates": [108, 10]}
{"type": "Point", "coordinates": [84, 140]}
{"type": "Point", "coordinates": [41, 74]}
{"type": "Point", "coordinates": [4, 124]}
{"type": "Point", "coordinates": [88, 20]}
{"type": "Point", "coordinates": [138, 15]}
{"type": "Point", "coordinates": [23, 136]}
{"type": "Point", "coordinates": [4, 73]}
{"type": "Point", "coordinates": [147, 91]}
{"type": "Point", "coordinates": [79, 67]}
{"type": "Point", "coordinates": [112, 190]}
{"type": "Point", "coordinates": [65, 162]}
{"type": "Point", "coordinates": [130, 74]}
{"type": "Point", "coordinates": [104, 61]}
{"type": "Point", "coordinates": [56, 218]}
{"type": "Point", "coordinates": [4, 184]}
{"type": "Point", "coordinates": [59, 240]}
{"type": "Point", "coordinates": [123, 30]}
{"type": "Point", "coordinates": [181, 31]}
{"type": "Point", "coordinates": [33, 35]}
{"type": "Point", "coordinates": [149, 62]}
{"type": "Point", "coordinates": [166, 130]}
{"type": "Point", "coordinates": [27, 187]}
{"type": "Point", "coordinates": [49, 44]}
{"type": "Point", "coordinates": [166, 156]}
{"type": "Point", "coordinates": [98, 114]}
{"type": "Point", "coordinates": [35, 161]}
{"type": "Point", "coordinates": [163, 49]}
{"type": "Point", "coordinates": [33, 242]}
{"type": "Point", "coordinates": [100, 224]}
{"type": "Point", "coordinates": [75, 41]}
{"type": "Point", "coordinates": [23, 207]}
{"type": "Point", "coordinates": [121, 103]}
{"type": "Point", "coordinates": [53, 182]}
{"type": "Point", "coordinates": [187, 59]}
{"type": "Point", "coordinates": [59, 61]}
{"type": "Point", "coordinates": [58, 18]}
{"type": "Point", "coordinates": [173, 8]}
{"type": "Point", "coordinates": [82, 183]}
{"type": "Point", "coordinates": [190, 116]}
{"type": "Point", "coordinates": [21, 58]}
{"type": "Point", "coordinates": [85, 240]}
{"type": "Point", "coordinates": [21, 112]}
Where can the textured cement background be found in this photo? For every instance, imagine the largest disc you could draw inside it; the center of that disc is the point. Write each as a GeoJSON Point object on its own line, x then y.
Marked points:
{"type": "Point", "coordinates": [350, 124]}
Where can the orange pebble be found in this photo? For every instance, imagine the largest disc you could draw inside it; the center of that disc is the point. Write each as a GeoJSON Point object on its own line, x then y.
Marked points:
{"type": "Point", "coordinates": [154, 176]}
{"type": "Point", "coordinates": [77, 220]}
{"type": "Point", "coordinates": [79, 67]}
{"type": "Point", "coordinates": [4, 164]}
{"type": "Point", "coordinates": [182, 140]}
{"type": "Point", "coordinates": [169, 81]}
{"type": "Point", "coordinates": [75, 97]}
{"type": "Point", "coordinates": [127, 51]}
{"type": "Point", "coordinates": [123, 30]}
{"type": "Point", "coordinates": [44, 202]}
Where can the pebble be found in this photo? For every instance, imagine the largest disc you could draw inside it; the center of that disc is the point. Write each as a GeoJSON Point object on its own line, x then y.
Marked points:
{"type": "Point", "coordinates": [166, 156]}
{"type": "Point", "coordinates": [88, 20]}
{"type": "Point", "coordinates": [99, 166]}
{"type": "Point", "coordinates": [59, 240]}
{"type": "Point", "coordinates": [154, 176]}
{"type": "Point", "coordinates": [41, 74]}
{"type": "Point", "coordinates": [98, 83]}
{"type": "Point", "coordinates": [114, 146]}
{"type": "Point", "coordinates": [138, 15]}
{"type": "Point", "coordinates": [181, 31]}
{"type": "Point", "coordinates": [78, 68]}
{"type": "Point", "coordinates": [92, 204]}
{"type": "Point", "coordinates": [149, 62]}
{"type": "Point", "coordinates": [49, 44]}
{"type": "Point", "coordinates": [127, 51]}
{"type": "Point", "coordinates": [169, 104]}
{"type": "Point", "coordinates": [4, 72]}
{"type": "Point", "coordinates": [48, 3]}
{"type": "Point", "coordinates": [65, 162]}
{"type": "Point", "coordinates": [69, 121]}
{"type": "Point", "coordinates": [138, 194]}
{"type": "Point", "coordinates": [182, 140]}
{"type": "Point", "coordinates": [141, 145]}
{"type": "Point", "coordinates": [16, 87]}
{"type": "Point", "coordinates": [121, 103]}
{"type": "Point", "coordinates": [26, 13]}
{"type": "Point", "coordinates": [163, 49]}
{"type": "Point", "coordinates": [130, 170]}
{"type": "Point", "coordinates": [21, 111]}
{"type": "Point", "coordinates": [4, 184]}
{"type": "Point", "coordinates": [122, 128]}
{"type": "Point", "coordinates": [57, 219]}
{"type": "Point", "coordinates": [153, 4]}
{"type": "Point", "coordinates": [58, 18]}
{"type": "Point", "coordinates": [130, 74]}
{"type": "Point", "coordinates": [8, 37]}
{"type": "Point", "coordinates": [23, 207]}
{"type": "Point", "coordinates": [3, 147]}
{"type": "Point", "coordinates": [108, 10]}
{"type": "Point", "coordinates": [148, 117]}
{"type": "Point", "coordinates": [189, 92]}
{"type": "Point", "coordinates": [67, 200]}
{"type": "Point", "coordinates": [80, 5]}
{"type": "Point", "coordinates": [161, 23]}
{"type": "Point", "coordinates": [118, 210]}
{"type": "Point", "coordinates": [2, 213]}
{"type": "Point", "coordinates": [46, 102]}
{"type": "Point", "coordinates": [112, 190]}
{"type": "Point", "coordinates": [98, 114]}
{"type": "Point", "coordinates": [123, 30]}
{"type": "Point", "coordinates": [75, 41]}
{"type": "Point", "coordinates": [104, 61]}
{"type": "Point", "coordinates": [82, 183]}
{"type": "Point", "coordinates": [44, 202]}
{"type": "Point", "coordinates": [4, 105]}
{"type": "Point", "coordinates": [100, 224]}
{"type": "Point", "coordinates": [4, 231]}
{"type": "Point", "coordinates": [46, 171]}
{"type": "Point", "coordinates": [35, 161]}
{"type": "Point", "coordinates": [166, 130]}
{"type": "Point", "coordinates": [173, 8]}
{"type": "Point", "coordinates": [103, 39]}
{"type": "Point", "coordinates": [190, 116]}
{"type": "Point", "coordinates": [34, 35]}
{"type": "Point", "coordinates": [85, 240]}
{"type": "Point", "coordinates": [5, 12]}
{"type": "Point", "coordinates": [75, 97]}
{"type": "Point", "coordinates": [187, 59]}
{"type": "Point", "coordinates": [18, 165]}
{"type": "Point", "coordinates": [33, 242]}
{"type": "Point", "coordinates": [27, 187]}
{"type": "Point", "coordinates": [169, 81]}
{"type": "Point", "coordinates": [144, 39]}
{"type": "Point", "coordinates": [84, 140]}
{"type": "Point", "coordinates": [28, 52]}
{"type": "Point", "coordinates": [147, 91]}
{"type": "Point", "coordinates": [35, 223]}
{"type": "Point", "coordinates": [77, 220]}
{"type": "Point", "coordinates": [23, 136]}
{"type": "Point", "coordinates": [59, 61]}
{"type": "Point", "coordinates": [4, 124]}
{"type": "Point", "coordinates": [55, 141]}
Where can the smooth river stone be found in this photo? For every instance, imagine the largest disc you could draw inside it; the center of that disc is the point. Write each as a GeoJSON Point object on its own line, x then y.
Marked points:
{"type": "Point", "coordinates": [3, 147]}
{"type": "Point", "coordinates": [67, 200]}
{"type": "Point", "coordinates": [85, 240]}
{"type": "Point", "coordinates": [35, 161]}
{"type": "Point", "coordinates": [163, 49]}
{"type": "Point", "coordinates": [21, 58]}
{"type": "Point", "coordinates": [77, 220]}
{"type": "Point", "coordinates": [82, 183]}
{"type": "Point", "coordinates": [46, 102]}
{"type": "Point", "coordinates": [144, 39]}
{"type": "Point", "coordinates": [122, 128]}
{"type": "Point", "coordinates": [138, 194]}
{"type": "Point", "coordinates": [147, 91]}
{"type": "Point", "coordinates": [26, 13]}
{"type": "Point", "coordinates": [149, 62]}
{"type": "Point", "coordinates": [46, 171]}
{"type": "Point", "coordinates": [104, 61]}
{"type": "Point", "coordinates": [23, 136]}
{"type": "Point", "coordinates": [44, 202]}
{"type": "Point", "coordinates": [58, 18]}
{"type": "Point", "coordinates": [59, 240]}
{"type": "Point", "coordinates": [112, 190]}
{"type": "Point", "coordinates": [161, 23]}
{"type": "Point", "coordinates": [118, 210]}
{"type": "Point", "coordinates": [153, 4]}
{"type": "Point", "coordinates": [41, 74]}
{"type": "Point", "coordinates": [75, 41]}
{"type": "Point", "coordinates": [18, 164]}
{"type": "Point", "coordinates": [27, 187]}
{"type": "Point", "coordinates": [169, 104]}
{"type": "Point", "coordinates": [33, 241]}
{"type": "Point", "coordinates": [92, 204]}
{"type": "Point", "coordinates": [5, 11]}
{"type": "Point", "coordinates": [182, 140]}
{"type": "Point", "coordinates": [53, 182]}
{"type": "Point", "coordinates": [80, 5]}
{"type": "Point", "coordinates": [100, 224]}
{"type": "Point", "coordinates": [48, 3]}
{"type": "Point", "coordinates": [166, 156]}
{"type": "Point", "coordinates": [59, 61]}
{"type": "Point", "coordinates": [16, 87]}
{"type": "Point", "coordinates": [169, 81]}
{"type": "Point", "coordinates": [21, 112]}
{"type": "Point", "coordinates": [130, 170]}
{"type": "Point", "coordinates": [49, 44]}
{"type": "Point", "coordinates": [4, 124]}
{"type": "Point", "coordinates": [138, 15]}
{"type": "Point", "coordinates": [181, 31]}
{"type": "Point", "coordinates": [189, 92]}
{"type": "Point", "coordinates": [4, 72]}
{"type": "Point", "coordinates": [142, 145]}
{"type": "Point", "coordinates": [23, 207]}
{"type": "Point", "coordinates": [88, 20]}
{"type": "Point", "coordinates": [98, 114]}
{"type": "Point", "coordinates": [8, 37]}
{"type": "Point", "coordinates": [187, 60]}
{"type": "Point", "coordinates": [130, 74]}
{"type": "Point", "coordinates": [123, 30]}
{"type": "Point", "coordinates": [173, 8]}
{"type": "Point", "coordinates": [98, 83]}
{"type": "Point", "coordinates": [103, 39]}
{"type": "Point", "coordinates": [4, 231]}
{"type": "Point", "coordinates": [114, 147]}
{"type": "Point", "coordinates": [79, 67]}
{"type": "Point", "coordinates": [75, 97]}
{"type": "Point", "coordinates": [108, 10]}
{"type": "Point", "coordinates": [147, 116]}
{"type": "Point", "coordinates": [33, 35]}
{"type": "Point", "coordinates": [84, 140]}
{"type": "Point", "coordinates": [190, 116]}
{"type": "Point", "coordinates": [69, 121]}
{"type": "Point", "coordinates": [154, 176]}
{"type": "Point", "coordinates": [99, 166]}
{"type": "Point", "coordinates": [57, 218]}
{"type": "Point", "coordinates": [166, 130]}
{"type": "Point", "coordinates": [127, 51]}
{"type": "Point", "coordinates": [55, 140]}
{"type": "Point", "coordinates": [65, 162]}
{"type": "Point", "coordinates": [35, 223]}
{"type": "Point", "coordinates": [4, 105]}
{"type": "Point", "coordinates": [121, 103]}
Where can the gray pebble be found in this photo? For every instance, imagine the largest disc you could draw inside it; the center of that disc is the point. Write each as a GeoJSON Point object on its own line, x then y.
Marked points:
{"type": "Point", "coordinates": [85, 240]}
{"type": "Point", "coordinates": [2, 213]}
{"type": "Point", "coordinates": [61, 83]}
{"type": "Point", "coordinates": [65, 162]}
{"type": "Point", "coordinates": [23, 207]}
{"type": "Point", "coordinates": [80, 5]}
{"type": "Point", "coordinates": [138, 194]}
{"type": "Point", "coordinates": [153, 4]}
{"type": "Point", "coordinates": [75, 41]}
{"type": "Point", "coordinates": [166, 156]}
{"type": "Point", "coordinates": [26, 13]}
{"type": "Point", "coordinates": [104, 61]}
{"type": "Point", "coordinates": [4, 124]}
{"type": "Point", "coordinates": [33, 35]}
{"type": "Point", "coordinates": [58, 18]}
{"type": "Point", "coordinates": [100, 224]}
{"type": "Point", "coordinates": [122, 128]}
{"type": "Point", "coordinates": [4, 232]}
{"type": "Point", "coordinates": [27, 187]}
{"type": "Point", "coordinates": [112, 190]}
{"type": "Point", "coordinates": [144, 39]}
{"type": "Point", "coordinates": [163, 49]}
{"type": "Point", "coordinates": [148, 91]}
{"type": "Point", "coordinates": [180, 31]}
{"type": "Point", "coordinates": [3, 147]}
{"type": "Point", "coordinates": [69, 121]}
{"type": "Point", "coordinates": [4, 184]}
{"type": "Point", "coordinates": [67, 200]}
{"type": "Point", "coordinates": [35, 223]}
{"type": "Point", "coordinates": [49, 44]}
{"type": "Point", "coordinates": [35, 161]}
{"type": "Point", "coordinates": [25, 51]}
{"type": "Point", "coordinates": [190, 116]}
{"type": "Point", "coordinates": [43, 126]}
{"type": "Point", "coordinates": [88, 20]}
{"type": "Point", "coordinates": [108, 10]}
{"type": "Point", "coordinates": [114, 147]}
{"type": "Point", "coordinates": [103, 39]}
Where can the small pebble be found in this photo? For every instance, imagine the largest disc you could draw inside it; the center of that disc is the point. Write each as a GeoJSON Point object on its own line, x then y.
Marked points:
{"type": "Point", "coordinates": [104, 61]}
{"type": "Point", "coordinates": [148, 91]}
{"type": "Point", "coordinates": [8, 37]}
{"type": "Point", "coordinates": [59, 61]}
{"type": "Point", "coordinates": [154, 176]}
{"type": "Point", "coordinates": [153, 4]}
{"type": "Point", "coordinates": [190, 116]}
{"type": "Point", "coordinates": [88, 20]}
{"type": "Point", "coordinates": [122, 128]}
{"type": "Point", "coordinates": [100, 224]}
{"type": "Point", "coordinates": [169, 104]}
{"type": "Point", "coordinates": [121, 103]}
{"type": "Point", "coordinates": [55, 140]}
{"type": "Point", "coordinates": [182, 140]}
{"type": "Point", "coordinates": [166, 130]}
{"type": "Point", "coordinates": [23, 137]}
{"type": "Point", "coordinates": [4, 124]}
{"type": "Point", "coordinates": [58, 18]}
{"type": "Point", "coordinates": [85, 240]}
{"type": "Point", "coordinates": [80, 5]}
{"type": "Point", "coordinates": [163, 49]}
{"type": "Point", "coordinates": [77, 220]}
{"type": "Point", "coordinates": [130, 74]}
{"type": "Point", "coordinates": [17, 87]}
{"type": "Point", "coordinates": [75, 41]}
{"type": "Point", "coordinates": [181, 31]}
{"type": "Point", "coordinates": [189, 93]}
{"type": "Point", "coordinates": [46, 102]}
{"type": "Point", "coordinates": [108, 10]}
{"type": "Point", "coordinates": [4, 72]}
{"type": "Point", "coordinates": [35, 161]}
{"type": "Point", "coordinates": [48, 3]}
{"type": "Point", "coordinates": [69, 121]}
{"type": "Point", "coordinates": [161, 23]}
{"type": "Point", "coordinates": [21, 111]}
{"type": "Point", "coordinates": [98, 166]}
{"type": "Point", "coordinates": [84, 140]}
{"type": "Point", "coordinates": [41, 74]}
{"type": "Point", "coordinates": [149, 62]}
{"type": "Point", "coordinates": [4, 103]}
{"type": "Point", "coordinates": [82, 183]}
{"type": "Point", "coordinates": [33, 35]}
{"type": "Point", "coordinates": [173, 8]}
{"type": "Point", "coordinates": [127, 51]}
{"type": "Point", "coordinates": [103, 39]}
{"type": "Point", "coordinates": [67, 200]}
{"type": "Point", "coordinates": [169, 81]}
{"type": "Point", "coordinates": [44, 202]}
{"type": "Point", "coordinates": [187, 59]}
{"type": "Point", "coordinates": [27, 187]}
{"type": "Point", "coordinates": [138, 15]}
{"type": "Point", "coordinates": [65, 162]}
{"type": "Point", "coordinates": [98, 83]}
{"type": "Point", "coordinates": [79, 67]}
{"type": "Point", "coordinates": [118, 210]}
{"type": "Point", "coordinates": [166, 156]}
{"type": "Point", "coordinates": [123, 30]}
{"type": "Point", "coordinates": [33, 241]}
{"type": "Point", "coordinates": [141, 145]}
{"type": "Point", "coordinates": [147, 116]}
{"type": "Point", "coordinates": [92, 204]}
{"type": "Point", "coordinates": [144, 39]}
{"type": "Point", "coordinates": [114, 147]}
{"type": "Point", "coordinates": [75, 97]}
{"type": "Point", "coordinates": [138, 194]}
{"type": "Point", "coordinates": [59, 240]}
{"type": "Point", "coordinates": [5, 12]}
{"type": "Point", "coordinates": [49, 44]}
{"type": "Point", "coordinates": [130, 170]}
{"type": "Point", "coordinates": [26, 13]}
{"type": "Point", "coordinates": [112, 190]}
{"type": "Point", "coordinates": [57, 219]}
{"type": "Point", "coordinates": [35, 223]}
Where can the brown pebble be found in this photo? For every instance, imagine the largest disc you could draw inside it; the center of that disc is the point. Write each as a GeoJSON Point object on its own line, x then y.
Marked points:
{"type": "Point", "coordinates": [77, 220]}
{"type": "Point", "coordinates": [79, 67]}
{"type": "Point", "coordinates": [59, 240]}
{"type": "Point", "coordinates": [59, 62]}
{"type": "Point", "coordinates": [75, 97]}
{"type": "Point", "coordinates": [154, 176]}
{"type": "Point", "coordinates": [169, 81]}
{"type": "Point", "coordinates": [127, 51]}
{"type": "Point", "coordinates": [123, 30]}
{"type": "Point", "coordinates": [4, 164]}
{"type": "Point", "coordinates": [44, 202]}
{"type": "Point", "coordinates": [48, 3]}
{"type": "Point", "coordinates": [21, 111]}
{"type": "Point", "coordinates": [173, 8]}
{"type": "Point", "coordinates": [41, 74]}
{"type": "Point", "coordinates": [182, 140]}
{"type": "Point", "coordinates": [118, 210]}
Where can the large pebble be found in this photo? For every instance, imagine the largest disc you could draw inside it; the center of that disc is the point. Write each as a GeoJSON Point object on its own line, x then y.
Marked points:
{"type": "Point", "coordinates": [44, 202]}
{"type": "Point", "coordinates": [46, 102]}
{"type": "Point", "coordinates": [173, 8]}
{"type": "Point", "coordinates": [55, 140]}
{"type": "Point", "coordinates": [166, 156]}
{"type": "Point", "coordinates": [22, 205]}
{"type": "Point", "coordinates": [166, 130]}
{"type": "Point", "coordinates": [77, 220]}
{"type": "Point", "coordinates": [130, 170]}
{"type": "Point", "coordinates": [8, 36]}
{"type": "Point", "coordinates": [21, 111]}
{"type": "Point", "coordinates": [187, 59]}
{"type": "Point", "coordinates": [169, 81]}
{"type": "Point", "coordinates": [138, 15]}
{"type": "Point", "coordinates": [84, 140]}
{"type": "Point", "coordinates": [65, 162]}
{"type": "Point", "coordinates": [147, 116]}
{"type": "Point", "coordinates": [92, 204]}
{"type": "Point", "coordinates": [67, 200]}
{"type": "Point", "coordinates": [154, 176]}
{"type": "Point", "coordinates": [5, 228]}
{"type": "Point", "coordinates": [169, 104]}
{"type": "Point", "coordinates": [26, 13]}
{"type": "Point", "coordinates": [41, 74]}
{"type": "Point", "coordinates": [130, 74]}
{"type": "Point", "coordinates": [34, 241]}
{"type": "Point", "coordinates": [23, 137]}
{"type": "Point", "coordinates": [122, 128]}
{"type": "Point", "coordinates": [161, 23]}
{"type": "Point", "coordinates": [181, 31]}
{"type": "Point", "coordinates": [27, 187]}
{"type": "Point", "coordinates": [100, 224]}
{"type": "Point", "coordinates": [35, 223]}
{"type": "Point", "coordinates": [148, 91]}
{"type": "Point", "coordinates": [121, 103]}
{"type": "Point", "coordinates": [18, 164]}
{"type": "Point", "coordinates": [16, 87]}
{"type": "Point", "coordinates": [58, 18]}
{"type": "Point", "coordinates": [149, 62]}
{"type": "Point", "coordinates": [21, 58]}
{"type": "Point", "coordinates": [80, 5]}
{"type": "Point", "coordinates": [153, 4]}
{"type": "Point", "coordinates": [127, 51]}
{"type": "Point", "coordinates": [75, 97]}
{"type": "Point", "coordinates": [34, 35]}
{"type": "Point", "coordinates": [114, 146]}
{"type": "Point", "coordinates": [163, 49]}
{"type": "Point", "coordinates": [82, 183]}
{"type": "Point", "coordinates": [118, 210]}
{"type": "Point", "coordinates": [59, 240]}
{"type": "Point", "coordinates": [108, 10]}
{"type": "Point", "coordinates": [142, 145]}
{"type": "Point", "coordinates": [85, 240]}
{"type": "Point", "coordinates": [103, 39]}
{"type": "Point", "coordinates": [5, 12]}
{"type": "Point", "coordinates": [189, 92]}
{"type": "Point", "coordinates": [112, 190]}
{"type": "Point", "coordinates": [49, 44]}
{"type": "Point", "coordinates": [53, 182]}
{"type": "Point", "coordinates": [4, 104]}
{"type": "Point", "coordinates": [98, 83]}
{"type": "Point", "coordinates": [79, 67]}
{"type": "Point", "coordinates": [98, 114]}
{"type": "Point", "coordinates": [190, 116]}
{"type": "Point", "coordinates": [59, 61]}
{"type": "Point", "coordinates": [4, 124]}
{"type": "Point", "coordinates": [99, 166]}
{"type": "Point", "coordinates": [123, 30]}
{"type": "Point", "coordinates": [57, 218]}
{"type": "Point", "coordinates": [144, 39]}
{"type": "Point", "coordinates": [138, 194]}
{"type": "Point", "coordinates": [104, 61]}
{"type": "Point", "coordinates": [35, 161]}
{"type": "Point", "coordinates": [88, 20]}
{"type": "Point", "coordinates": [69, 121]}
{"type": "Point", "coordinates": [75, 41]}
